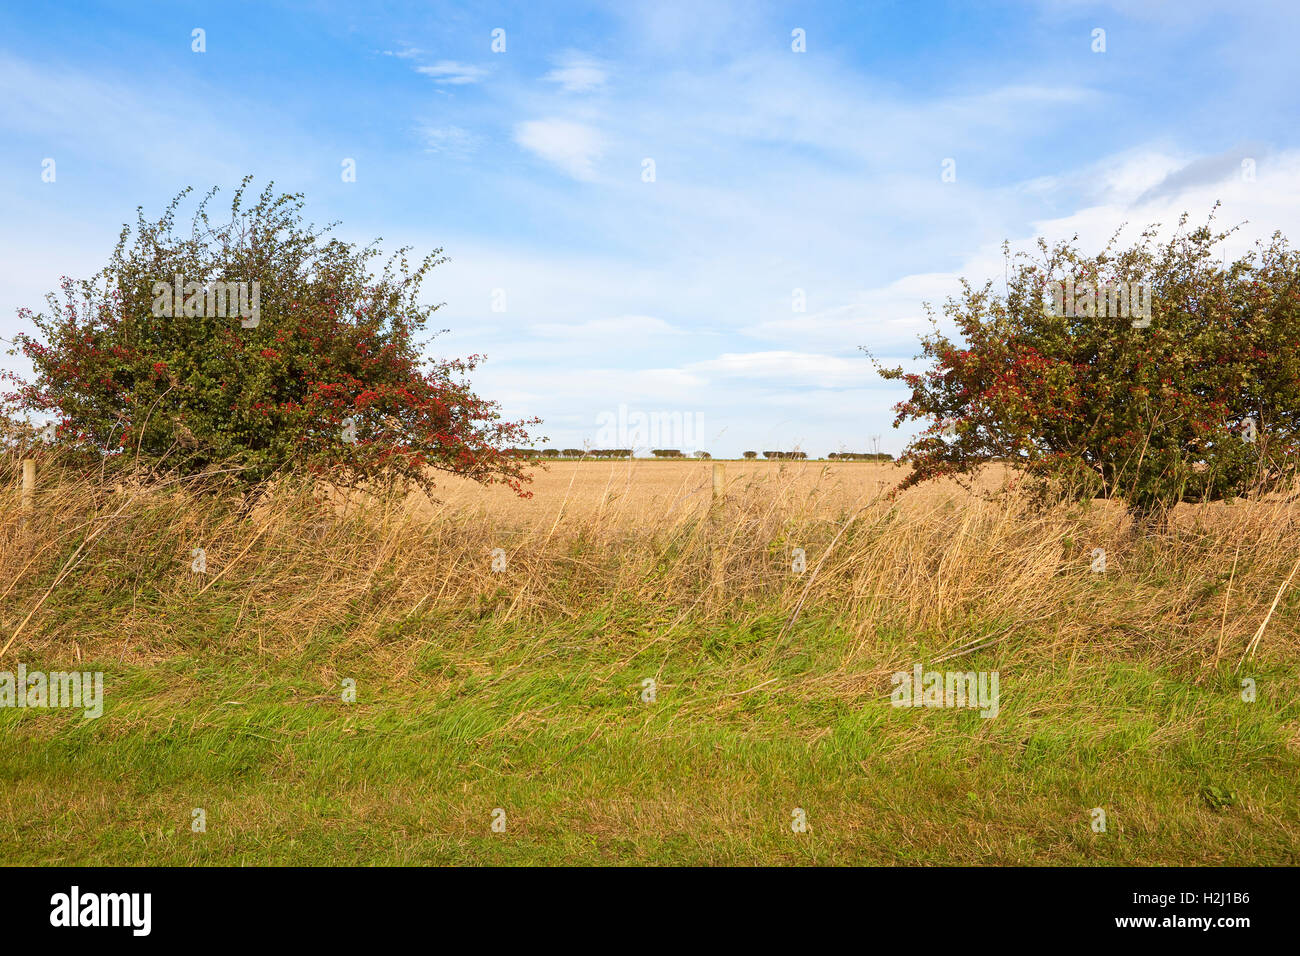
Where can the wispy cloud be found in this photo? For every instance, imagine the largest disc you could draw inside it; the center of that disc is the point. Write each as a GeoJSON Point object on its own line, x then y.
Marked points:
{"type": "Point", "coordinates": [405, 53]}
{"type": "Point", "coordinates": [577, 73]}
{"type": "Point", "coordinates": [1208, 170]}
{"type": "Point", "coordinates": [449, 140]}
{"type": "Point", "coordinates": [615, 329]}
{"type": "Point", "coordinates": [452, 73]}
{"type": "Point", "coordinates": [786, 368]}
{"type": "Point", "coordinates": [570, 146]}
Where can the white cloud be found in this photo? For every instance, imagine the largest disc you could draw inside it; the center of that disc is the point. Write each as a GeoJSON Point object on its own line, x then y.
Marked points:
{"type": "Point", "coordinates": [578, 74]}
{"type": "Point", "coordinates": [453, 73]}
{"type": "Point", "coordinates": [882, 318]}
{"type": "Point", "coordinates": [1207, 170]}
{"type": "Point", "coordinates": [1168, 186]}
{"type": "Point", "coordinates": [616, 328]}
{"type": "Point", "coordinates": [448, 140]}
{"type": "Point", "coordinates": [573, 147]}
{"type": "Point", "coordinates": [405, 53]}
{"type": "Point", "coordinates": [785, 368]}
{"type": "Point", "coordinates": [105, 116]}
{"type": "Point", "coordinates": [581, 389]}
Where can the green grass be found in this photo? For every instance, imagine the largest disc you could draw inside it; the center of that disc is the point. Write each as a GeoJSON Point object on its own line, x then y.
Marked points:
{"type": "Point", "coordinates": [457, 717]}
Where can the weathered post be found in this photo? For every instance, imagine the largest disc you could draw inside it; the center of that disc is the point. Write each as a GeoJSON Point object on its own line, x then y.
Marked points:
{"type": "Point", "coordinates": [719, 482]}
{"type": "Point", "coordinates": [29, 488]}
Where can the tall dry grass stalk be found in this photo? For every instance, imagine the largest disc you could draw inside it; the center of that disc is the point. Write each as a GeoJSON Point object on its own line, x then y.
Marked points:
{"type": "Point", "coordinates": [106, 570]}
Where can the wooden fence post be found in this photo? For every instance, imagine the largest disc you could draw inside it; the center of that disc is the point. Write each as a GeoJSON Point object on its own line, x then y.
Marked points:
{"type": "Point", "coordinates": [29, 488]}
{"type": "Point", "coordinates": [719, 482]}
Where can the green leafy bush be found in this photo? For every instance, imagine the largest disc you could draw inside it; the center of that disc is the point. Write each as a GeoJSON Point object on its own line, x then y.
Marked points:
{"type": "Point", "coordinates": [150, 363]}
{"type": "Point", "coordinates": [1198, 400]}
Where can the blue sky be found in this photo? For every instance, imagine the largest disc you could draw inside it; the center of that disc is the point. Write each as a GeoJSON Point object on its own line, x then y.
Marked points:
{"type": "Point", "coordinates": [774, 170]}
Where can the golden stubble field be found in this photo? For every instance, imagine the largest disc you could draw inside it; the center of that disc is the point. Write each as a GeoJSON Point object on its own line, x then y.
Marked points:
{"type": "Point", "coordinates": [640, 491]}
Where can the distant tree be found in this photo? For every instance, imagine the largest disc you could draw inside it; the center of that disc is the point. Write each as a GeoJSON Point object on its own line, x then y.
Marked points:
{"type": "Point", "coordinates": [751, 454]}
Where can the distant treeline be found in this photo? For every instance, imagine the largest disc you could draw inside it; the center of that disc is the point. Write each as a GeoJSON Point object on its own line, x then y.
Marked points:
{"type": "Point", "coordinates": [570, 453]}
{"type": "Point", "coordinates": [677, 453]}
{"type": "Point", "coordinates": [859, 456]}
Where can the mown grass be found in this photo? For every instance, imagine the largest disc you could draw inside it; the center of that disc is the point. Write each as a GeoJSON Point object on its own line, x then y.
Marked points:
{"type": "Point", "coordinates": [522, 690]}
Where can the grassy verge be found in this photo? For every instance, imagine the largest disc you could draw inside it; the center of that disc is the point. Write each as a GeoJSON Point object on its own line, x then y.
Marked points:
{"type": "Point", "coordinates": [549, 725]}
{"type": "Point", "coordinates": [522, 688]}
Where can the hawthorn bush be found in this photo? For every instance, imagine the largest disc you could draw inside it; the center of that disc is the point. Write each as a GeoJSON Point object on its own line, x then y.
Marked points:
{"type": "Point", "coordinates": [326, 380]}
{"type": "Point", "coordinates": [1199, 402]}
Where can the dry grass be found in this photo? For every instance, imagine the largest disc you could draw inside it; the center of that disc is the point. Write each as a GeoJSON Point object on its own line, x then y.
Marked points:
{"type": "Point", "coordinates": [602, 534]}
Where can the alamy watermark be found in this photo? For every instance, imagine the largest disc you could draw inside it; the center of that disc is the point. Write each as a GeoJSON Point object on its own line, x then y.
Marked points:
{"type": "Point", "coordinates": [1120, 300]}
{"type": "Point", "coordinates": [79, 689]}
{"type": "Point", "coordinates": [659, 429]}
{"type": "Point", "coordinates": [215, 300]}
{"type": "Point", "coordinates": [951, 689]}
{"type": "Point", "coordinates": [75, 908]}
